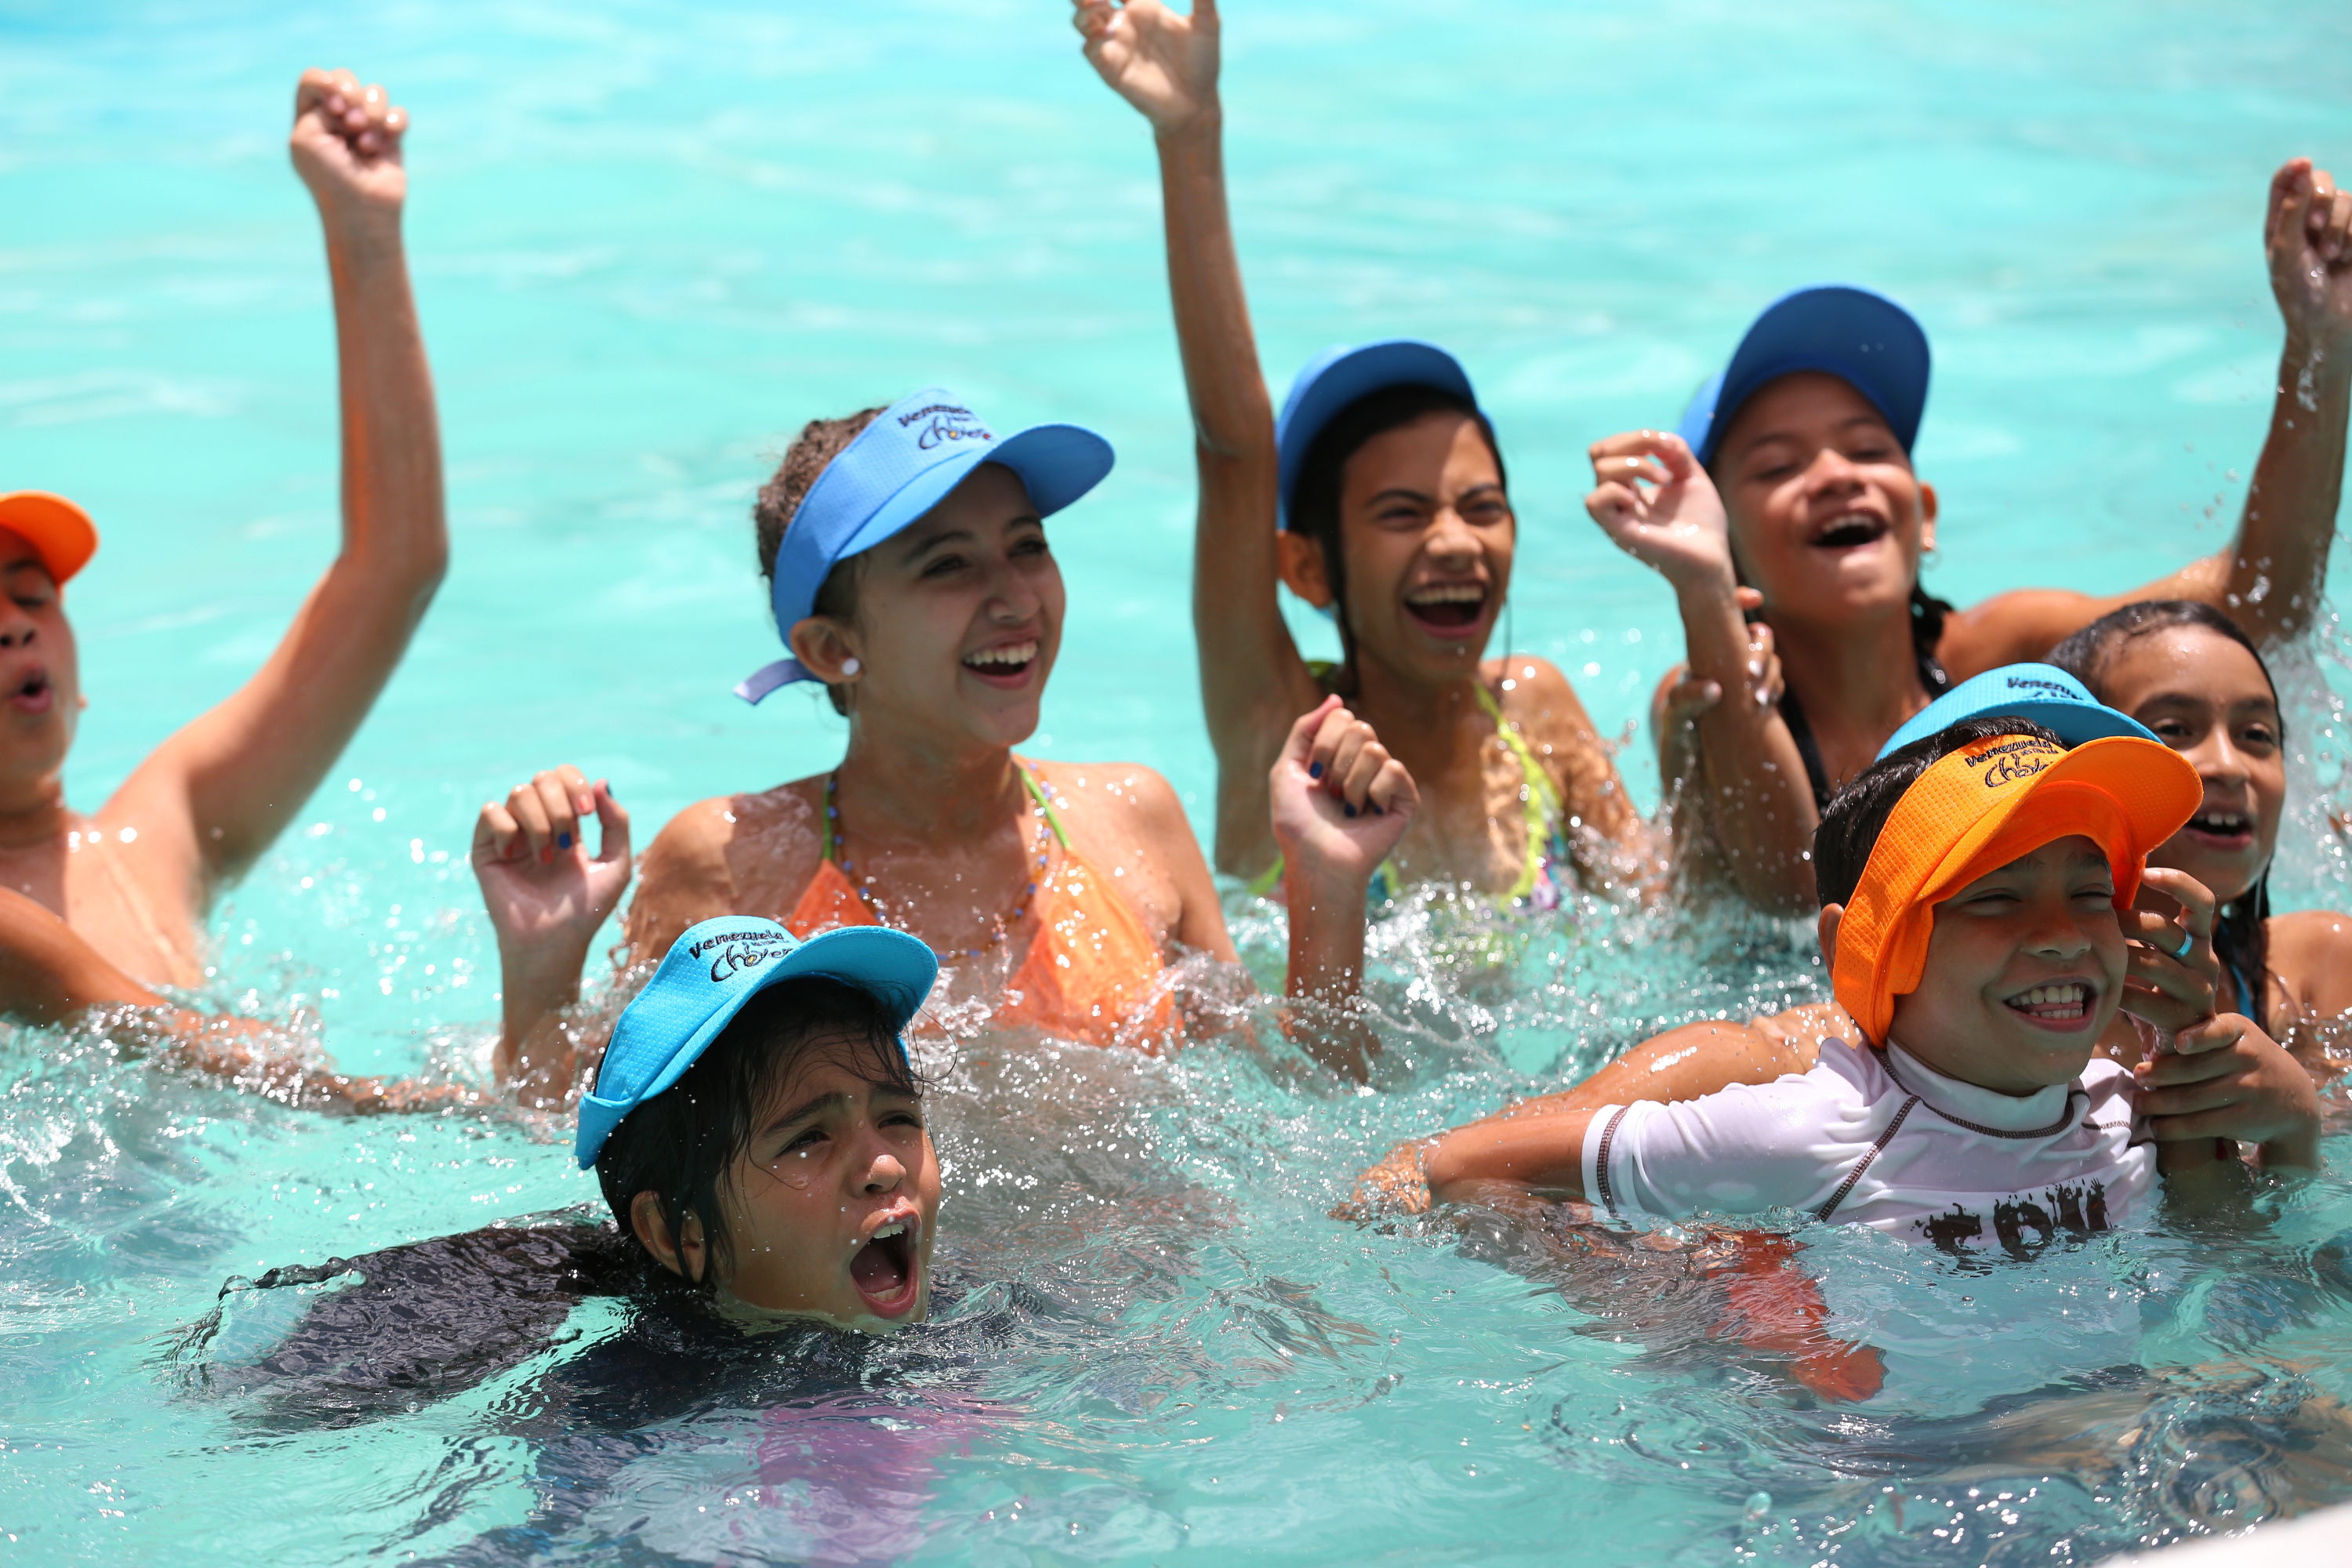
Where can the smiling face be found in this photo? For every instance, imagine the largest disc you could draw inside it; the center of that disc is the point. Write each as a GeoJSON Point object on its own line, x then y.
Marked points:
{"type": "Point", "coordinates": [2206, 697]}
{"type": "Point", "coordinates": [832, 1209]}
{"type": "Point", "coordinates": [1828, 521]}
{"type": "Point", "coordinates": [2024, 968]}
{"type": "Point", "coordinates": [1425, 540]}
{"type": "Point", "coordinates": [40, 676]}
{"type": "Point", "coordinates": [958, 619]}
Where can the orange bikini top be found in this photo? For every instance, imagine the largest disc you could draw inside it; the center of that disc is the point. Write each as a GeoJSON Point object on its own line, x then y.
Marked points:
{"type": "Point", "coordinates": [1092, 973]}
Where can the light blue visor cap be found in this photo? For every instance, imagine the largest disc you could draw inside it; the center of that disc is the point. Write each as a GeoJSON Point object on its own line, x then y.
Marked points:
{"type": "Point", "coordinates": [900, 466]}
{"type": "Point", "coordinates": [1864, 338]}
{"type": "Point", "coordinates": [2042, 694]}
{"type": "Point", "coordinates": [707, 976]}
{"type": "Point", "coordinates": [1337, 378]}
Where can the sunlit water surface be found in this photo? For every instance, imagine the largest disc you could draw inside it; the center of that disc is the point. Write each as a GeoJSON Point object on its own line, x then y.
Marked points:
{"type": "Point", "coordinates": [650, 240]}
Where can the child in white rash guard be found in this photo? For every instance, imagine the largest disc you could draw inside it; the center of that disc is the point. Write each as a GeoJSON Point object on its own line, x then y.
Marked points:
{"type": "Point", "coordinates": [1974, 883]}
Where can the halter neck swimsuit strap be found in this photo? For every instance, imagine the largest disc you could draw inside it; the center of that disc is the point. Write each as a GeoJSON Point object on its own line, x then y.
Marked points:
{"type": "Point", "coordinates": [1029, 781]}
{"type": "Point", "coordinates": [1792, 712]}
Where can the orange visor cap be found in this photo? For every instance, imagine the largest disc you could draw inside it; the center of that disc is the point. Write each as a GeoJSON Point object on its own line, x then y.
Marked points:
{"type": "Point", "coordinates": [59, 531]}
{"type": "Point", "coordinates": [1977, 810]}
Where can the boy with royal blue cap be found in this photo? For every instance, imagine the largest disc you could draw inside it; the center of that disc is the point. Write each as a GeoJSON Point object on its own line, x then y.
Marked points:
{"type": "Point", "coordinates": [1790, 496]}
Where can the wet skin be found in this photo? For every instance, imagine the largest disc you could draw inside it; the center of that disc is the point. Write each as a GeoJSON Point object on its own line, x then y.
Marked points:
{"type": "Point", "coordinates": [838, 1159]}
{"type": "Point", "coordinates": [1426, 536]}
{"type": "Point", "coordinates": [2025, 967]}
{"type": "Point", "coordinates": [2206, 697]}
{"type": "Point", "coordinates": [1828, 521]}
{"type": "Point", "coordinates": [40, 676]}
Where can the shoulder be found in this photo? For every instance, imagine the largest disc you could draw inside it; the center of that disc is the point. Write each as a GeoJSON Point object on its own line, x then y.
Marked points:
{"type": "Point", "coordinates": [732, 854]}
{"type": "Point", "coordinates": [1532, 691]}
{"type": "Point", "coordinates": [2312, 952]}
{"type": "Point", "coordinates": [2008, 628]}
{"type": "Point", "coordinates": [1127, 794]}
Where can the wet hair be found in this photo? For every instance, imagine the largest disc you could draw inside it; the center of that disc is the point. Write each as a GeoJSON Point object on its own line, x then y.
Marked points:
{"type": "Point", "coordinates": [818, 444]}
{"type": "Point", "coordinates": [682, 1144]}
{"type": "Point", "coordinates": [2240, 927]}
{"type": "Point", "coordinates": [1851, 826]}
{"type": "Point", "coordinates": [1313, 509]}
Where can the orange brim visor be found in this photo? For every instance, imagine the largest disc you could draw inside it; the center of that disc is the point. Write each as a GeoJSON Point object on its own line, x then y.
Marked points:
{"type": "Point", "coordinates": [60, 531]}
{"type": "Point", "coordinates": [1988, 804]}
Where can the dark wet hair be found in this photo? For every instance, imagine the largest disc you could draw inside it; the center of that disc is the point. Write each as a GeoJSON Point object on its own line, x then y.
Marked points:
{"type": "Point", "coordinates": [2241, 927]}
{"type": "Point", "coordinates": [818, 444]}
{"type": "Point", "coordinates": [1851, 826]}
{"type": "Point", "coordinates": [681, 1144]}
{"type": "Point", "coordinates": [1314, 501]}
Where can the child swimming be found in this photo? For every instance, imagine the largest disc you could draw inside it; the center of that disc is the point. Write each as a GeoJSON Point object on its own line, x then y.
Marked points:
{"type": "Point", "coordinates": [1379, 495]}
{"type": "Point", "coordinates": [1790, 492]}
{"type": "Point", "coordinates": [2186, 674]}
{"type": "Point", "coordinates": [100, 910]}
{"type": "Point", "coordinates": [1974, 883]}
{"type": "Point", "coordinates": [911, 575]}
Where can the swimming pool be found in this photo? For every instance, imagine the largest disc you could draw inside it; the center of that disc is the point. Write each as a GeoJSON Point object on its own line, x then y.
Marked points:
{"type": "Point", "coordinates": [652, 239]}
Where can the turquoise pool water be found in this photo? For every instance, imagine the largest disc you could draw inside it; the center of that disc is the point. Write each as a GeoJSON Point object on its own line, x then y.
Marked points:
{"type": "Point", "coordinates": [650, 240]}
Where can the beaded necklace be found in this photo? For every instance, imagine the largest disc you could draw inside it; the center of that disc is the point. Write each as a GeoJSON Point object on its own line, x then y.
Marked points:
{"type": "Point", "coordinates": [1005, 924]}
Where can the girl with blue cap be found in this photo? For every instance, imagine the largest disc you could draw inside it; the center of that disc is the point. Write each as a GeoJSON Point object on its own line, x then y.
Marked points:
{"type": "Point", "coordinates": [1789, 493]}
{"type": "Point", "coordinates": [907, 552]}
{"type": "Point", "coordinates": [1377, 496]}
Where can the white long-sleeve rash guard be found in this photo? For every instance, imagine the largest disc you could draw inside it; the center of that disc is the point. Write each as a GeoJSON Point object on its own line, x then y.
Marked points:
{"type": "Point", "coordinates": [1881, 1140]}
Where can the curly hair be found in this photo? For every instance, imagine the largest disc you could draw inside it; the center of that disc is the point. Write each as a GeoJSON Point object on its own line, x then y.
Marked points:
{"type": "Point", "coordinates": [818, 444]}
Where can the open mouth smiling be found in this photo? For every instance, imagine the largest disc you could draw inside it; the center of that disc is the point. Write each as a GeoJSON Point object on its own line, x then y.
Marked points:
{"type": "Point", "coordinates": [1447, 607]}
{"type": "Point", "coordinates": [1851, 531]}
{"type": "Point", "coordinates": [885, 1271]}
{"type": "Point", "coordinates": [2221, 829]}
{"type": "Point", "coordinates": [1007, 664]}
{"type": "Point", "coordinates": [2066, 1005]}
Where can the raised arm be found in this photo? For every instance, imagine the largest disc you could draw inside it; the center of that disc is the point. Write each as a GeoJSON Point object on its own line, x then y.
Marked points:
{"type": "Point", "coordinates": [546, 898]}
{"type": "Point", "coordinates": [1339, 805]}
{"type": "Point", "coordinates": [1656, 502]}
{"type": "Point", "coordinates": [1253, 681]}
{"type": "Point", "coordinates": [2274, 576]}
{"type": "Point", "coordinates": [238, 774]}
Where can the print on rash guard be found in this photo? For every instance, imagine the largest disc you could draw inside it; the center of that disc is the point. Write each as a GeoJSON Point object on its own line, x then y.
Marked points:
{"type": "Point", "coordinates": [1880, 1139]}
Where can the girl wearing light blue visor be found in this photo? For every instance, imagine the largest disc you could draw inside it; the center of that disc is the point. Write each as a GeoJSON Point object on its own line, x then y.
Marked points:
{"type": "Point", "coordinates": [906, 548]}
{"type": "Point", "coordinates": [1789, 493]}
{"type": "Point", "coordinates": [1380, 497]}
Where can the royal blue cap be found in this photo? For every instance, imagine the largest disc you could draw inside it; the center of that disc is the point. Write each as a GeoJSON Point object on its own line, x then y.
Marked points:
{"type": "Point", "coordinates": [1337, 378]}
{"type": "Point", "coordinates": [2042, 694]}
{"type": "Point", "coordinates": [898, 467]}
{"type": "Point", "coordinates": [703, 981]}
{"type": "Point", "coordinates": [1864, 338]}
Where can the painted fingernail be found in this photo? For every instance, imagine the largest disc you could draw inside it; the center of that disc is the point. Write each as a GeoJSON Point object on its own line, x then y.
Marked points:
{"type": "Point", "coordinates": [1348, 809]}
{"type": "Point", "coordinates": [1315, 770]}
{"type": "Point", "coordinates": [1380, 811]}
{"type": "Point", "coordinates": [563, 841]}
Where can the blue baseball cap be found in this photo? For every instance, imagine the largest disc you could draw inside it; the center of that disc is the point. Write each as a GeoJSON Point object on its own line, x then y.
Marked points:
{"type": "Point", "coordinates": [2041, 694]}
{"type": "Point", "coordinates": [898, 467]}
{"type": "Point", "coordinates": [1864, 338]}
{"type": "Point", "coordinates": [703, 981]}
{"type": "Point", "coordinates": [1337, 378]}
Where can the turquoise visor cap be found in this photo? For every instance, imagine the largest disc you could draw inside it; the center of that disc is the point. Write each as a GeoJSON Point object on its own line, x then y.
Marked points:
{"type": "Point", "coordinates": [705, 979]}
{"type": "Point", "coordinates": [2042, 694]}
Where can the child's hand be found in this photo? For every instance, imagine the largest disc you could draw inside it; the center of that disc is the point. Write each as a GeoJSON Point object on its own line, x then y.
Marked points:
{"type": "Point", "coordinates": [1767, 684]}
{"type": "Point", "coordinates": [2308, 237]}
{"type": "Point", "coordinates": [1340, 801]}
{"type": "Point", "coordinates": [2163, 986]}
{"type": "Point", "coordinates": [346, 145]}
{"type": "Point", "coordinates": [1164, 64]}
{"type": "Point", "coordinates": [2226, 1078]}
{"type": "Point", "coordinates": [1395, 1186]}
{"type": "Point", "coordinates": [1656, 502]}
{"type": "Point", "coordinates": [543, 889]}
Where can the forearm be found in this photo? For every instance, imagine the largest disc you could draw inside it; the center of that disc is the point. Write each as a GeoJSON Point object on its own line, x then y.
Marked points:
{"type": "Point", "coordinates": [1232, 415]}
{"type": "Point", "coordinates": [1757, 794]}
{"type": "Point", "coordinates": [537, 986]}
{"type": "Point", "coordinates": [1326, 969]}
{"type": "Point", "coordinates": [395, 531]}
{"type": "Point", "coordinates": [1532, 1153]}
{"type": "Point", "coordinates": [2277, 569]}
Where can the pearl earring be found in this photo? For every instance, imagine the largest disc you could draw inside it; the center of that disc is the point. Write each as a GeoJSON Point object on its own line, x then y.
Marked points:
{"type": "Point", "coordinates": [850, 666]}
